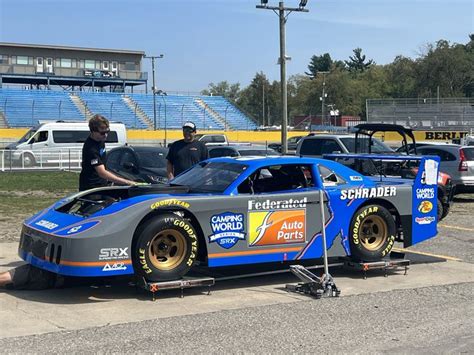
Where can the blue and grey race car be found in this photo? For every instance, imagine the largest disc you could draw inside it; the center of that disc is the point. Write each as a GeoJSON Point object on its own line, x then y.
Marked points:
{"type": "Point", "coordinates": [233, 211]}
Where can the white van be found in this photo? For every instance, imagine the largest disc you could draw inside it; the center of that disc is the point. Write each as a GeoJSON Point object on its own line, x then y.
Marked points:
{"type": "Point", "coordinates": [55, 141]}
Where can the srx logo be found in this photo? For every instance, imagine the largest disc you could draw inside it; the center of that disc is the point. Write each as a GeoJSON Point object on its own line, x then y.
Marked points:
{"type": "Point", "coordinates": [113, 253]}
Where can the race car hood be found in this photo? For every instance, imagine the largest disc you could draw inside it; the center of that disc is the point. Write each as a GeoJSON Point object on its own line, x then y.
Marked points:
{"type": "Point", "coordinates": [82, 211]}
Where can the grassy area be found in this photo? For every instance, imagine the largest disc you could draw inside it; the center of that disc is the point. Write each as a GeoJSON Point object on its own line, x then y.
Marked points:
{"type": "Point", "coordinates": [54, 181]}
{"type": "Point", "coordinates": [23, 205]}
{"type": "Point", "coordinates": [26, 193]}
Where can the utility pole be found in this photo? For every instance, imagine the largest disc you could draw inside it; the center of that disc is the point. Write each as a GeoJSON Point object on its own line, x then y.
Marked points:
{"type": "Point", "coordinates": [323, 97]}
{"type": "Point", "coordinates": [263, 103]}
{"type": "Point", "coordinates": [283, 13]}
{"type": "Point", "coordinates": [153, 57]}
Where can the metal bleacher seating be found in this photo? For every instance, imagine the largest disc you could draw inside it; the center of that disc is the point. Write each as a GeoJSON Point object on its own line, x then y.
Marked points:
{"type": "Point", "coordinates": [232, 116]}
{"type": "Point", "coordinates": [112, 106]}
{"type": "Point", "coordinates": [174, 110]}
{"type": "Point", "coordinates": [24, 108]}
{"type": "Point", "coordinates": [432, 113]}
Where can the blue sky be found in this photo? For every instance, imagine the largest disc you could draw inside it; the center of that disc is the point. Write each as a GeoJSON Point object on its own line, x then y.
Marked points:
{"type": "Point", "coordinates": [208, 41]}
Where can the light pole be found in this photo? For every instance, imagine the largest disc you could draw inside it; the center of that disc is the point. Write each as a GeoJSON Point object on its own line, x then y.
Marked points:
{"type": "Point", "coordinates": [153, 57]}
{"type": "Point", "coordinates": [263, 103]}
{"type": "Point", "coordinates": [333, 113]}
{"type": "Point", "coordinates": [163, 94]}
{"type": "Point", "coordinates": [283, 13]}
{"type": "Point", "coordinates": [323, 97]}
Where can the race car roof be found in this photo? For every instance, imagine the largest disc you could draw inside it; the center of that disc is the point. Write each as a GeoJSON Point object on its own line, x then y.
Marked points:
{"type": "Point", "coordinates": [258, 161]}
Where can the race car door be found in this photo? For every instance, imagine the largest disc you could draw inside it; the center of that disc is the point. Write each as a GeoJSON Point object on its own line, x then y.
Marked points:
{"type": "Point", "coordinates": [282, 215]}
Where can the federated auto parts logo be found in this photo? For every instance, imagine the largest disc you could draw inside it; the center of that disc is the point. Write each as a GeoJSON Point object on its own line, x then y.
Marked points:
{"type": "Point", "coordinates": [425, 206]}
{"type": "Point", "coordinates": [227, 229]}
{"type": "Point", "coordinates": [277, 227]}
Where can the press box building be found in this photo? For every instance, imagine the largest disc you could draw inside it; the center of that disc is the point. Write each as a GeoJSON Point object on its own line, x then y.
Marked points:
{"type": "Point", "coordinates": [74, 67]}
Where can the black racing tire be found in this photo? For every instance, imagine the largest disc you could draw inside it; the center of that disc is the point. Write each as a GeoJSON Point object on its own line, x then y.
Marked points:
{"type": "Point", "coordinates": [372, 233]}
{"type": "Point", "coordinates": [165, 249]}
{"type": "Point", "coordinates": [28, 160]}
{"type": "Point", "coordinates": [445, 211]}
{"type": "Point", "coordinates": [440, 210]}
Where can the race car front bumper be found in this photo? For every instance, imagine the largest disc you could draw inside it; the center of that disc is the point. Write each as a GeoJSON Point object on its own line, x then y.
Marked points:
{"type": "Point", "coordinates": [57, 254]}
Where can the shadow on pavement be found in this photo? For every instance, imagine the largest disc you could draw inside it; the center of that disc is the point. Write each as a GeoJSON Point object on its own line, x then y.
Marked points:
{"type": "Point", "coordinates": [93, 290]}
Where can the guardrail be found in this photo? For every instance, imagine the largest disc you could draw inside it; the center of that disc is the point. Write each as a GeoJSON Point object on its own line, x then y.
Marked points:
{"type": "Point", "coordinates": [47, 159]}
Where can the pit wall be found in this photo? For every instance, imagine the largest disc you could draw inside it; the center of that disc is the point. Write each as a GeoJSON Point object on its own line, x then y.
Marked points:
{"type": "Point", "coordinates": [154, 137]}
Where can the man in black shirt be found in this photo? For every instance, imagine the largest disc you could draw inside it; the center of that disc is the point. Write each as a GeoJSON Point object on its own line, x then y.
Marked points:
{"type": "Point", "coordinates": [93, 172]}
{"type": "Point", "coordinates": [186, 152]}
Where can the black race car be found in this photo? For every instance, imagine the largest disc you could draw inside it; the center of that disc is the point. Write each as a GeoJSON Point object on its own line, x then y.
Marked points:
{"type": "Point", "coordinates": [142, 164]}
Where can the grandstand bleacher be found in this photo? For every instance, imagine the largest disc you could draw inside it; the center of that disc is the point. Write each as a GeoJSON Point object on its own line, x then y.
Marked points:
{"type": "Point", "coordinates": [113, 107]}
{"type": "Point", "coordinates": [23, 108]}
{"type": "Point", "coordinates": [233, 117]}
{"type": "Point", "coordinates": [443, 113]}
{"type": "Point", "coordinates": [174, 110]}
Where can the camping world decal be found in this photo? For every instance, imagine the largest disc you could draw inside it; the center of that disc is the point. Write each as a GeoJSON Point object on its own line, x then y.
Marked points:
{"type": "Point", "coordinates": [277, 227]}
{"type": "Point", "coordinates": [227, 229]}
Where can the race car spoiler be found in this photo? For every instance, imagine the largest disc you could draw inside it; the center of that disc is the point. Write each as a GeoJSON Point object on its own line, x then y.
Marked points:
{"type": "Point", "coordinates": [424, 195]}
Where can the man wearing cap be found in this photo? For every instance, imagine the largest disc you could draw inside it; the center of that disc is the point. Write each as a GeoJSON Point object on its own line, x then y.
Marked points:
{"type": "Point", "coordinates": [94, 173]}
{"type": "Point", "coordinates": [186, 152]}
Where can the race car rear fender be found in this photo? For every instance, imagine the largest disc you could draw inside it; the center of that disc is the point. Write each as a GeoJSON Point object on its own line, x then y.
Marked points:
{"type": "Point", "coordinates": [403, 223]}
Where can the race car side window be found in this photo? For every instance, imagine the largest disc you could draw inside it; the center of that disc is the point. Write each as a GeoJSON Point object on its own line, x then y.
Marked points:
{"type": "Point", "coordinates": [329, 177]}
{"type": "Point", "coordinates": [278, 178]}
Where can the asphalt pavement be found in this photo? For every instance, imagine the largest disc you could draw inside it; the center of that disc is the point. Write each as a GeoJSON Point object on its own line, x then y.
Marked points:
{"type": "Point", "coordinates": [429, 311]}
{"type": "Point", "coordinates": [422, 320]}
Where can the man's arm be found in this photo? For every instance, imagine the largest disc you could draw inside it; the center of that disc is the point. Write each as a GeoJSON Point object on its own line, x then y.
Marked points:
{"type": "Point", "coordinates": [169, 170]}
{"type": "Point", "coordinates": [205, 152]}
{"type": "Point", "coordinates": [107, 175]}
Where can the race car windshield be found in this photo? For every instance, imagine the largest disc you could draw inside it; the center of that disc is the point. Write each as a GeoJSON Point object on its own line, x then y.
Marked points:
{"type": "Point", "coordinates": [209, 176]}
{"type": "Point", "coordinates": [363, 145]}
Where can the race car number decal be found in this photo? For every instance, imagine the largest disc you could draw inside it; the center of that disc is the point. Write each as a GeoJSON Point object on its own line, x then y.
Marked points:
{"type": "Point", "coordinates": [277, 227]}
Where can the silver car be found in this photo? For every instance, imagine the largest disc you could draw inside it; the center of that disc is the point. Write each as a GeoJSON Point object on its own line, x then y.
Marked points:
{"type": "Point", "coordinates": [457, 161]}
{"type": "Point", "coordinates": [317, 145]}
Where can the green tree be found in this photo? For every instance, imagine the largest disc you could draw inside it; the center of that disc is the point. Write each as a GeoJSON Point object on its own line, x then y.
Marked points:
{"type": "Point", "coordinates": [257, 98]}
{"type": "Point", "coordinates": [318, 64]}
{"type": "Point", "coordinates": [447, 68]}
{"type": "Point", "coordinates": [357, 63]}
{"type": "Point", "coordinates": [469, 48]}
{"type": "Point", "coordinates": [223, 88]}
{"type": "Point", "coordinates": [401, 74]}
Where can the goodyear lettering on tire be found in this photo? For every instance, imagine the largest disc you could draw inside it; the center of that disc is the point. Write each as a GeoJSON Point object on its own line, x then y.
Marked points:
{"type": "Point", "coordinates": [192, 236]}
